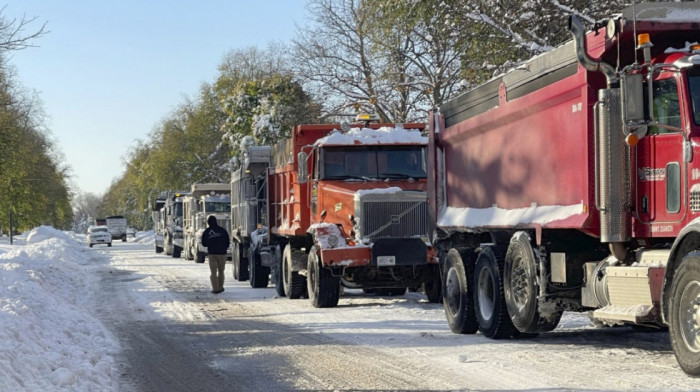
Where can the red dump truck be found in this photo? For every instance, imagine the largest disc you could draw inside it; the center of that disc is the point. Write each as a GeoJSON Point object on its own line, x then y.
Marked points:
{"type": "Point", "coordinates": [572, 183]}
{"type": "Point", "coordinates": [346, 205]}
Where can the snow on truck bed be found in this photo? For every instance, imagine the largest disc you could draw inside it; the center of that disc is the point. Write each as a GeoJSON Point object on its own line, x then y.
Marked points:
{"type": "Point", "coordinates": [383, 135]}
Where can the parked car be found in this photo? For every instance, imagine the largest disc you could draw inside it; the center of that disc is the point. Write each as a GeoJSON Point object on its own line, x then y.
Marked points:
{"type": "Point", "coordinates": [130, 232]}
{"type": "Point", "coordinates": [99, 235]}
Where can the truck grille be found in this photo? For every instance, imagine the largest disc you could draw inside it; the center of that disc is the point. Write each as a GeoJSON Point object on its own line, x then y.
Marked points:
{"type": "Point", "coordinates": [398, 215]}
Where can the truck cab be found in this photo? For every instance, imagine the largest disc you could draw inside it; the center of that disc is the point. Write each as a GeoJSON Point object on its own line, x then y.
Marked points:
{"type": "Point", "coordinates": [204, 200]}
{"type": "Point", "coordinates": [173, 237]}
{"type": "Point", "coordinates": [347, 206]}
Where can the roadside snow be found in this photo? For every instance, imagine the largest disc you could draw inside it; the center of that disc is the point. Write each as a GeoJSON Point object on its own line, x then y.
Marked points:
{"type": "Point", "coordinates": [49, 339]}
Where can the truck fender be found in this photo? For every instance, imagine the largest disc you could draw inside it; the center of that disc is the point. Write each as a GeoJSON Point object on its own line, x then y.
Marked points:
{"type": "Point", "coordinates": [687, 241]}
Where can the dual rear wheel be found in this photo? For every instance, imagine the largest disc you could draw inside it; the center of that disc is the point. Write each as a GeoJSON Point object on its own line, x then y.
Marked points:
{"type": "Point", "coordinates": [496, 295]}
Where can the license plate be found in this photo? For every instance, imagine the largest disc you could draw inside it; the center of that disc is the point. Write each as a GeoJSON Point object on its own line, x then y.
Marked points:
{"type": "Point", "coordinates": [383, 261]}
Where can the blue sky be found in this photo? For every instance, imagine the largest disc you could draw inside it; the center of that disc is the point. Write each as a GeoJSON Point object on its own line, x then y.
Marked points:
{"type": "Point", "coordinates": [108, 71]}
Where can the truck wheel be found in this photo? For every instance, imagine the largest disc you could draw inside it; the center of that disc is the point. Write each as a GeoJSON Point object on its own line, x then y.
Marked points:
{"type": "Point", "coordinates": [91, 245]}
{"type": "Point", "coordinates": [259, 275]}
{"type": "Point", "coordinates": [240, 264]}
{"type": "Point", "coordinates": [176, 251]}
{"type": "Point", "coordinates": [521, 288]}
{"type": "Point", "coordinates": [159, 249]}
{"type": "Point", "coordinates": [684, 317]}
{"type": "Point", "coordinates": [324, 288]}
{"type": "Point", "coordinates": [489, 302]}
{"type": "Point", "coordinates": [277, 274]}
{"type": "Point", "coordinates": [124, 238]}
{"type": "Point", "coordinates": [458, 287]}
{"type": "Point", "coordinates": [293, 282]}
{"type": "Point", "coordinates": [432, 287]}
{"type": "Point", "coordinates": [200, 257]}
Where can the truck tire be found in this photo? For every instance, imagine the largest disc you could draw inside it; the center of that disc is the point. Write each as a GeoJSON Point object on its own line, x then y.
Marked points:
{"type": "Point", "coordinates": [176, 251]}
{"type": "Point", "coordinates": [124, 238]}
{"type": "Point", "coordinates": [159, 249]}
{"type": "Point", "coordinates": [259, 275]}
{"type": "Point", "coordinates": [684, 314]}
{"type": "Point", "coordinates": [489, 302]}
{"type": "Point", "coordinates": [432, 286]}
{"type": "Point", "coordinates": [324, 288]}
{"type": "Point", "coordinates": [200, 257]}
{"type": "Point", "coordinates": [521, 288]}
{"type": "Point", "coordinates": [293, 282]}
{"type": "Point", "coordinates": [458, 288]}
{"type": "Point", "coordinates": [276, 273]}
{"type": "Point", "coordinates": [236, 267]}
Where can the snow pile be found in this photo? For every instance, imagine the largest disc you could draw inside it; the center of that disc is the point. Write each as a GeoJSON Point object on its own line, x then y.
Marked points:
{"type": "Point", "coordinates": [43, 233]}
{"type": "Point", "coordinates": [383, 135]}
{"type": "Point", "coordinates": [49, 340]}
{"type": "Point", "coordinates": [494, 216]}
{"type": "Point", "coordinates": [359, 194]}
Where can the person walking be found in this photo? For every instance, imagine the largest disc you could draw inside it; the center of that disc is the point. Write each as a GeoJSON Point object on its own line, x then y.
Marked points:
{"type": "Point", "coordinates": [216, 239]}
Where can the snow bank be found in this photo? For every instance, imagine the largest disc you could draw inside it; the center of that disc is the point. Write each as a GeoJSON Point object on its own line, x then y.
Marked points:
{"type": "Point", "coordinates": [49, 339]}
{"type": "Point", "coordinates": [43, 233]}
{"type": "Point", "coordinates": [383, 135]}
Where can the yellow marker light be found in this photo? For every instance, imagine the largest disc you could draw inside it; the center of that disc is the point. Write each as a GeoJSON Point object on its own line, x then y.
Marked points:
{"type": "Point", "coordinates": [643, 39]}
{"type": "Point", "coordinates": [695, 47]}
{"type": "Point", "coordinates": [259, 225]}
{"type": "Point", "coordinates": [632, 140]}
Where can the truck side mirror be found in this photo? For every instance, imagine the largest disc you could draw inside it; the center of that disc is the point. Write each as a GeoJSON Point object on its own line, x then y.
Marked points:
{"type": "Point", "coordinates": [632, 99]}
{"type": "Point", "coordinates": [303, 167]}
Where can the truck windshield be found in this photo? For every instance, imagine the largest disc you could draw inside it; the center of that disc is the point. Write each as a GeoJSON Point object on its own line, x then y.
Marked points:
{"type": "Point", "coordinates": [217, 207]}
{"type": "Point", "coordinates": [694, 83]}
{"type": "Point", "coordinates": [373, 162]}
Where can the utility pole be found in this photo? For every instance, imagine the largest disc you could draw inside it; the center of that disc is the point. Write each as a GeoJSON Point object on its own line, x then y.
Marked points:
{"type": "Point", "coordinates": [11, 228]}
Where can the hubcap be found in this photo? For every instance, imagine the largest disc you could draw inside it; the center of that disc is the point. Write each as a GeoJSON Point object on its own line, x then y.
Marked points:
{"type": "Point", "coordinates": [487, 294]}
{"type": "Point", "coordinates": [519, 283]}
{"type": "Point", "coordinates": [452, 291]}
{"type": "Point", "coordinates": [690, 315]}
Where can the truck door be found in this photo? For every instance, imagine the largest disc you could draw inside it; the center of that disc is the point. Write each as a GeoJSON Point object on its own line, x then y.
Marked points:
{"type": "Point", "coordinates": [660, 168]}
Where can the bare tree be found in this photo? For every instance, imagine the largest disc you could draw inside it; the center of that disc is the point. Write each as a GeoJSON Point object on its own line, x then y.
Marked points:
{"type": "Point", "coordinates": [13, 35]}
{"type": "Point", "coordinates": [338, 60]}
{"type": "Point", "coordinates": [85, 210]}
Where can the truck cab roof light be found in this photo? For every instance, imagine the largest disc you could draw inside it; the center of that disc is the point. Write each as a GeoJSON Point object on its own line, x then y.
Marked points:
{"type": "Point", "coordinates": [643, 41]}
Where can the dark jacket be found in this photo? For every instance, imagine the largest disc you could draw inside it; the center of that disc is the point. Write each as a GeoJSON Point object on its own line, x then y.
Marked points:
{"type": "Point", "coordinates": [216, 239]}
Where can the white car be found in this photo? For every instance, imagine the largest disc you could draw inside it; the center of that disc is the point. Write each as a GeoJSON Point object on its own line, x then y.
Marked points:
{"type": "Point", "coordinates": [99, 235]}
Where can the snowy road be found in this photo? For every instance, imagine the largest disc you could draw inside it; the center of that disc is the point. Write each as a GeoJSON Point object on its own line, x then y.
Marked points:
{"type": "Point", "coordinates": [74, 318]}
{"type": "Point", "coordinates": [176, 335]}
